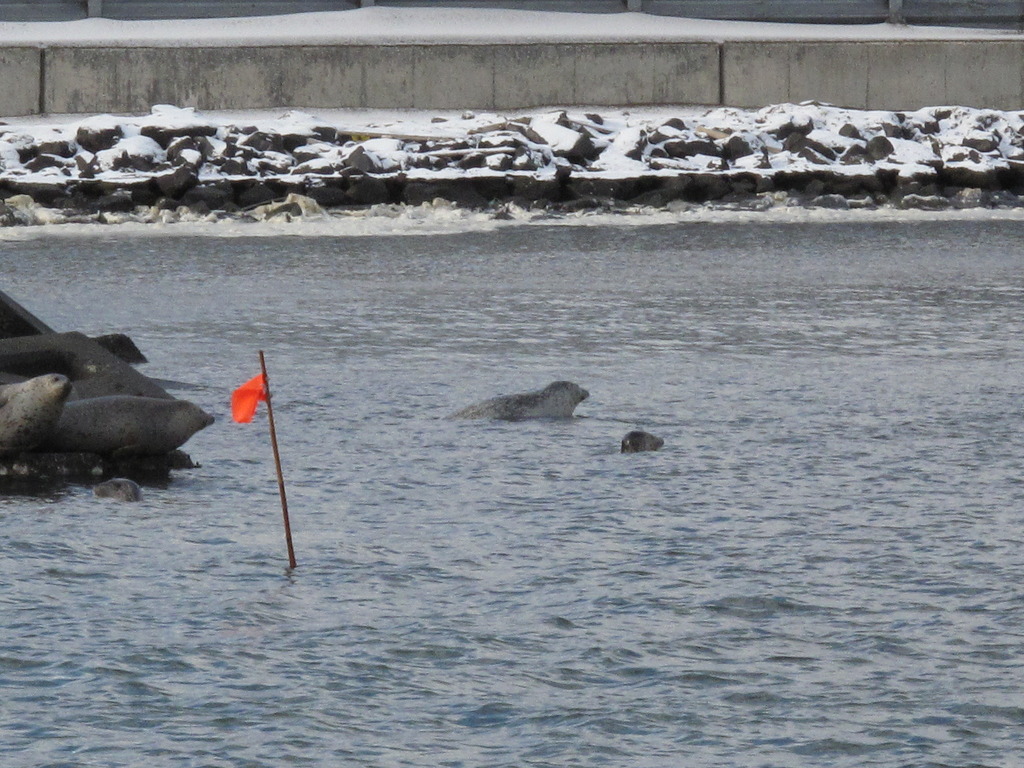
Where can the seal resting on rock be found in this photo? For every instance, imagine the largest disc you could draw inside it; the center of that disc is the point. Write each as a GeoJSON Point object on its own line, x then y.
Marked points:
{"type": "Point", "coordinates": [556, 401]}
{"type": "Point", "coordinates": [119, 489]}
{"type": "Point", "coordinates": [125, 425]}
{"type": "Point", "coordinates": [29, 411]}
{"type": "Point", "coordinates": [638, 440]}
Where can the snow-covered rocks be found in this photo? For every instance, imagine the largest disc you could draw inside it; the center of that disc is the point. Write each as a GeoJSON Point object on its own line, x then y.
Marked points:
{"type": "Point", "coordinates": [176, 159]}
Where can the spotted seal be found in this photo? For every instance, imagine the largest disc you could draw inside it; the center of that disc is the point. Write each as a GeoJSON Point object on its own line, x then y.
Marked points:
{"type": "Point", "coordinates": [29, 411]}
{"type": "Point", "coordinates": [126, 425]}
{"type": "Point", "coordinates": [557, 400]}
{"type": "Point", "coordinates": [638, 440]}
{"type": "Point", "coordinates": [119, 489]}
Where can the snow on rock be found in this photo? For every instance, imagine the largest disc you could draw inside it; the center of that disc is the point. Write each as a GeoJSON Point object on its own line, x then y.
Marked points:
{"type": "Point", "coordinates": [298, 164]}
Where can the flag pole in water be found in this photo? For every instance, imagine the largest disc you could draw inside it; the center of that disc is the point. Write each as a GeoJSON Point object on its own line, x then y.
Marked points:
{"type": "Point", "coordinates": [243, 407]}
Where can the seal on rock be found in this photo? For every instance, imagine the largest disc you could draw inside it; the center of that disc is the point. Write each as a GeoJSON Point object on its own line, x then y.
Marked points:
{"type": "Point", "coordinates": [29, 411]}
{"type": "Point", "coordinates": [126, 425]}
{"type": "Point", "coordinates": [638, 440]}
{"type": "Point", "coordinates": [119, 489]}
{"type": "Point", "coordinates": [556, 401]}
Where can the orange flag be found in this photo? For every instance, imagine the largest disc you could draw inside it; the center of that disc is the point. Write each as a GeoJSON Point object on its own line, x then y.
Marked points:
{"type": "Point", "coordinates": [245, 398]}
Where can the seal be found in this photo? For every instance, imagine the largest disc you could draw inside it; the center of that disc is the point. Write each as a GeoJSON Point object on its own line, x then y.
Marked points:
{"type": "Point", "coordinates": [119, 489]}
{"type": "Point", "coordinates": [638, 440]}
{"type": "Point", "coordinates": [29, 411]}
{"type": "Point", "coordinates": [557, 400]}
{"type": "Point", "coordinates": [126, 425]}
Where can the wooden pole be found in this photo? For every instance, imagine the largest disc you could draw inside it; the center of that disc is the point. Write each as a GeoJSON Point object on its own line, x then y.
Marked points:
{"type": "Point", "coordinates": [277, 462]}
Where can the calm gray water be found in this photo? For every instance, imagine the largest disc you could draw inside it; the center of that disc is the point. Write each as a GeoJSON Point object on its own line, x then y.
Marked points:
{"type": "Point", "coordinates": [823, 567]}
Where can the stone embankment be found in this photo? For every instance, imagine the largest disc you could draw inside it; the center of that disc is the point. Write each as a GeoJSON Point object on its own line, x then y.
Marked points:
{"type": "Point", "coordinates": [176, 163]}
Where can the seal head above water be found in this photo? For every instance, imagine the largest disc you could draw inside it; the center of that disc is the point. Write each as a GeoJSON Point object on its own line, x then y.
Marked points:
{"type": "Point", "coordinates": [29, 411]}
{"type": "Point", "coordinates": [125, 425]}
{"type": "Point", "coordinates": [557, 400]}
{"type": "Point", "coordinates": [638, 440]}
{"type": "Point", "coordinates": [118, 489]}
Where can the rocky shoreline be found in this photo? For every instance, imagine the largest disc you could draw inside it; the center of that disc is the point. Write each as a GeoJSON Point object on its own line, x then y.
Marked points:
{"type": "Point", "coordinates": [176, 164]}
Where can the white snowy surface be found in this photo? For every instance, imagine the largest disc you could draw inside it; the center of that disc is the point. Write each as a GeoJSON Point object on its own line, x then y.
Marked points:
{"type": "Point", "coordinates": [442, 25]}
{"type": "Point", "coordinates": [934, 136]}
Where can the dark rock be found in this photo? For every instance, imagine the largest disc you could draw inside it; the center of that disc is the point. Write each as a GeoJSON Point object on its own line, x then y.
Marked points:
{"type": "Point", "coordinates": [15, 320]}
{"type": "Point", "coordinates": [614, 189]}
{"type": "Point", "coordinates": [807, 153]}
{"type": "Point", "coordinates": [178, 146]}
{"type": "Point", "coordinates": [328, 195]}
{"type": "Point", "coordinates": [879, 148]}
{"type": "Point", "coordinates": [500, 163]}
{"type": "Point", "coordinates": [292, 141]}
{"type": "Point", "coordinates": [361, 160]}
{"type": "Point", "coordinates": [661, 190]}
{"type": "Point", "coordinates": [536, 189]}
{"type": "Point", "coordinates": [97, 139]}
{"type": "Point", "coordinates": [982, 177]}
{"type": "Point", "coordinates": [33, 469]}
{"type": "Point", "coordinates": [800, 125]}
{"type": "Point", "coordinates": [675, 123]}
{"type": "Point", "coordinates": [165, 135]}
{"type": "Point", "coordinates": [855, 153]}
{"type": "Point", "coordinates": [214, 194]}
{"type": "Point", "coordinates": [850, 131]}
{"type": "Point", "coordinates": [736, 146]}
{"type": "Point", "coordinates": [263, 142]}
{"type": "Point", "coordinates": [88, 167]}
{"type": "Point", "coordinates": [121, 345]}
{"type": "Point", "coordinates": [41, 161]}
{"type": "Point", "coordinates": [48, 194]}
{"type": "Point", "coordinates": [492, 188]}
{"type": "Point", "coordinates": [308, 152]}
{"type": "Point", "coordinates": [708, 186]}
{"type": "Point", "coordinates": [454, 190]}
{"type": "Point", "coordinates": [982, 142]}
{"type": "Point", "coordinates": [325, 133]}
{"type": "Point", "coordinates": [253, 194]}
{"type": "Point", "coordinates": [118, 201]}
{"type": "Point", "coordinates": [680, 148]}
{"type": "Point", "coordinates": [234, 166]}
{"type": "Point", "coordinates": [59, 147]}
{"type": "Point", "coordinates": [367, 190]}
{"type": "Point", "coordinates": [134, 162]}
{"type": "Point", "coordinates": [177, 182]}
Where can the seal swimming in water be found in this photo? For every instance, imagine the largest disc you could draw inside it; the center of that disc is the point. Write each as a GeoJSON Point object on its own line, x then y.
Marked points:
{"type": "Point", "coordinates": [119, 489]}
{"type": "Point", "coordinates": [126, 425]}
{"type": "Point", "coordinates": [556, 401]}
{"type": "Point", "coordinates": [638, 440]}
{"type": "Point", "coordinates": [29, 411]}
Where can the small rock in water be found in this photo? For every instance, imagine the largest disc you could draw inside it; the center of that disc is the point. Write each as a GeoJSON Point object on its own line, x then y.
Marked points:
{"type": "Point", "coordinates": [638, 441]}
{"type": "Point", "coordinates": [118, 489]}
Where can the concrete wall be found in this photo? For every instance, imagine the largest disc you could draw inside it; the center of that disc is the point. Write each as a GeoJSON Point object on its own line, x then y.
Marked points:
{"type": "Point", "coordinates": [398, 76]}
{"type": "Point", "coordinates": [20, 77]}
{"type": "Point", "coordinates": [875, 75]}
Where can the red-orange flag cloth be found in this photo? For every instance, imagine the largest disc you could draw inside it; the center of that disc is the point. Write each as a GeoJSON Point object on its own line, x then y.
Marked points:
{"type": "Point", "coordinates": [245, 398]}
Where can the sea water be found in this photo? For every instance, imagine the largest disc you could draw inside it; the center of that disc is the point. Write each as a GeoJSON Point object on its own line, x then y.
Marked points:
{"type": "Point", "coordinates": [822, 567]}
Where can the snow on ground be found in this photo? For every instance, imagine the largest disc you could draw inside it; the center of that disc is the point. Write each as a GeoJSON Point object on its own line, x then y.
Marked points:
{"type": "Point", "coordinates": [403, 168]}
{"type": "Point", "coordinates": [441, 25]}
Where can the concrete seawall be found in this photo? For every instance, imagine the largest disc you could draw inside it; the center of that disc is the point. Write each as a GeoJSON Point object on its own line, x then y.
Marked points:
{"type": "Point", "coordinates": [870, 74]}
